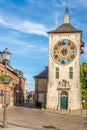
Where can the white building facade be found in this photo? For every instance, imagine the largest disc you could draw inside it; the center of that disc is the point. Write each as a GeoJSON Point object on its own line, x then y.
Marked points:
{"type": "Point", "coordinates": [63, 89]}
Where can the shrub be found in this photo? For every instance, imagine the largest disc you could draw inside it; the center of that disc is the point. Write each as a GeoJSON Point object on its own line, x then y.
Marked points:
{"type": "Point", "coordinates": [84, 105]}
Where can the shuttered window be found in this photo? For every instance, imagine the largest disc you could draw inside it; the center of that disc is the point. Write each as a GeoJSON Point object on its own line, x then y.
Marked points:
{"type": "Point", "coordinates": [57, 72]}
{"type": "Point", "coordinates": [70, 72]}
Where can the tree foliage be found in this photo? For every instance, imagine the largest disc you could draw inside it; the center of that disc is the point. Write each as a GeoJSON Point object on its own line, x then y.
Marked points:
{"type": "Point", "coordinates": [83, 80]}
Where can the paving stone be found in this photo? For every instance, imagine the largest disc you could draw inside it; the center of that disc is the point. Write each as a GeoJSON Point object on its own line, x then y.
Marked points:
{"type": "Point", "coordinates": [45, 120]}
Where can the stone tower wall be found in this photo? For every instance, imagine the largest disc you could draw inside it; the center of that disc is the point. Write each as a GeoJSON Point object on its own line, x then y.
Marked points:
{"type": "Point", "coordinates": [53, 93]}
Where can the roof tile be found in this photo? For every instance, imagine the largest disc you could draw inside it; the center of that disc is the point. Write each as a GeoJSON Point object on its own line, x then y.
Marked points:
{"type": "Point", "coordinates": [65, 28]}
{"type": "Point", "coordinates": [43, 74]}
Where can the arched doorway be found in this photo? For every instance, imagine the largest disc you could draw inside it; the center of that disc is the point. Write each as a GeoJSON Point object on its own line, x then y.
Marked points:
{"type": "Point", "coordinates": [63, 100]}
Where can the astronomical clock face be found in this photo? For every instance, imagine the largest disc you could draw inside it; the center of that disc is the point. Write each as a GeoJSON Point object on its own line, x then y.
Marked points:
{"type": "Point", "coordinates": [64, 52]}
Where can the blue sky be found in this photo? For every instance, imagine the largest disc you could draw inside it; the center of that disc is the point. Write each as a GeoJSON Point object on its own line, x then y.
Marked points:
{"type": "Point", "coordinates": [23, 30]}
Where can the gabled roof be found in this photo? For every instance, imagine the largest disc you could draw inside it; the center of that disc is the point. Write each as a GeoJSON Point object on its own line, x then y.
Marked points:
{"type": "Point", "coordinates": [65, 28]}
{"type": "Point", "coordinates": [43, 74]}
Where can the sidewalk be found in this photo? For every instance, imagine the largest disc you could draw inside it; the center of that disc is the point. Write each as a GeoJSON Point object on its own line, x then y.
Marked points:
{"type": "Point", "coordinates": [75, 113]}
{"type": "Point", "coordinates": [80, 115]}
{"type": "Point", "coordinates": [16, 128]}
{"type": "Point", "coordinates": [10, 127]}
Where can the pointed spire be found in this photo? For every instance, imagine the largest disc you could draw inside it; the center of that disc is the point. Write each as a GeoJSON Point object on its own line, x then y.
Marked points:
{"type": "Point", "coordinates": [67, 7]}
{"type": "Point", "coordinates": [66, 15]}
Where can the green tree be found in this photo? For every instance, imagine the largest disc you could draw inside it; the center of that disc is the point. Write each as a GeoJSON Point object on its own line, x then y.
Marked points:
{"type": "Point", "coordinates": [83, 81]}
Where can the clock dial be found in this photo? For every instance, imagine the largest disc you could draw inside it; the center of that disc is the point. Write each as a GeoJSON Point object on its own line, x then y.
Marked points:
{"type": "Point", "coordinates": [64, 52]}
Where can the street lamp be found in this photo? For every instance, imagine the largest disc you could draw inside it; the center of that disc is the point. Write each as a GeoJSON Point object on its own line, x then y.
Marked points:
{"type": "Point", "coordinates": [6, 56]}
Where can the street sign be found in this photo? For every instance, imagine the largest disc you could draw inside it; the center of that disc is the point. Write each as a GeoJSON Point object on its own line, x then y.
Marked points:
{"type": "Point", "coordinates": [1, 94]}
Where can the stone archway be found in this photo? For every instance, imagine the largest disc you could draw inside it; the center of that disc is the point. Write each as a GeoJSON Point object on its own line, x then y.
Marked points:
{"type": "Point", "coordinates": [63, 100]}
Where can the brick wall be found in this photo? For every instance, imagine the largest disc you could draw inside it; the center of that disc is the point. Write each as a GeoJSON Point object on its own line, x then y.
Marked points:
{"type": "Point", "coordinates": [16, 83]}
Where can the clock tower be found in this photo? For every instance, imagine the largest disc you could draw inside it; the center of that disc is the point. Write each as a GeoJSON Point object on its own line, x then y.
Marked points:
{"type": "Point", "coordinates": [63, 89]}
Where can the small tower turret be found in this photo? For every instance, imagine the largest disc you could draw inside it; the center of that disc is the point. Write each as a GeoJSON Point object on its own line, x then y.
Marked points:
{"type": "Point", "coordinates": [66, 15]}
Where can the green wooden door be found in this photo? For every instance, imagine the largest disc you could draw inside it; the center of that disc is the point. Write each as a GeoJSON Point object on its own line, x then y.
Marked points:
{"type": "Point", "coordinates": [63, 100]}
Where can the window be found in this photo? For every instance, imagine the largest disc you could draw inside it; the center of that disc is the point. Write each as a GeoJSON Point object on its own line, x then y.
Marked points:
{"type": "Point", "coordinates": [57, 72]}
{"type": "Point", "coordinates": [70, 72]}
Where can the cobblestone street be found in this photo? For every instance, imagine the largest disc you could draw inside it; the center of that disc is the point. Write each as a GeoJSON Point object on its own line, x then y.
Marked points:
{"type": "Point", "coordinates": [43, 120]}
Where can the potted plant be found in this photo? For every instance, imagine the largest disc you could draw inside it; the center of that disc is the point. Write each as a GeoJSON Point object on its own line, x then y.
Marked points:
{"type": "Point", "coordinates": [5, 79]}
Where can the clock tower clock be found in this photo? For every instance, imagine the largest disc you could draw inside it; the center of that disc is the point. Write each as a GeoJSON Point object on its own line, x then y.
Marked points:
{"type": "Point", "coordinates": [64, 51]}
{"type": "Point", "coordinates": [63, 89]}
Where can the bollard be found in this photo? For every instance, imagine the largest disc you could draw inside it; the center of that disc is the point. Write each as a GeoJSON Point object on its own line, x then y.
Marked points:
{"type": "Point", "coordinates": [69, 111]}
{"type": "Point", "coordinates": [81, 111]}
{"type": "Point", "coordinates": [54, 108]}
{"type": "Point", "coordinates": [61, 110]}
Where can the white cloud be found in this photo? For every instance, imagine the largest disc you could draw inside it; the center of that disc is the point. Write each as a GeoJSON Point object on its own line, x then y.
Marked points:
{"type": "Point", "coordinates": [29, 27]}
{"type": "Point", "coordinates": [43, 49]}
{"type": "Point", "coordinates": [20, 47]}
{"type": "Point", "coordinates": [24, 26]}
{"type": "Point", "coordinates": [74, 3]}
{"type": "Point", "coordinates": [77, 3]}
{"type": "Point", "coordinates": [2, 22]}
{"type": "Point", "coordinates": [58, 4]}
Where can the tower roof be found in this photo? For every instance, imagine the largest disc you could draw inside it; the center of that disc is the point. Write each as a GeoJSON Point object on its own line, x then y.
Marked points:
{"type": "Point", "coordinates": [43, 74]}
{"type": "Point", "coordinates": [65, 28]}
